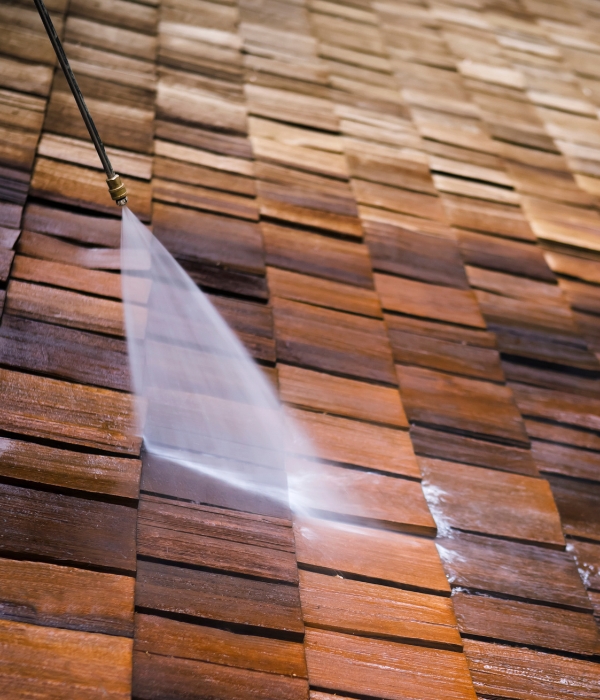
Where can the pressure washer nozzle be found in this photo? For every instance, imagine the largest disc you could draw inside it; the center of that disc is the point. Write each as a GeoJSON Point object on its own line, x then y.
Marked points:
{"type": "Point", "coordinates": [117, 190]}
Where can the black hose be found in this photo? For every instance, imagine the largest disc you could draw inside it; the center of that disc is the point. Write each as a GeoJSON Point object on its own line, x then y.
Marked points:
{"type": "Point", "coordinates": [64, 64]}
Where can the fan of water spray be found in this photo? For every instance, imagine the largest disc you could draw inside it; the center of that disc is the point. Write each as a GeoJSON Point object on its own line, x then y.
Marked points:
{"type": "Point", "coordinates": [206, 408]}
{"type": "Point", "coordinates": [203, 405]}
{"type": "Point", "coordinates": [202, 402]}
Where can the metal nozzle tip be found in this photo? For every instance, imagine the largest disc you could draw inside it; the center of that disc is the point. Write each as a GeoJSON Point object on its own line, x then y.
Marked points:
{"type": "Point", "coordinates": [117, 190]}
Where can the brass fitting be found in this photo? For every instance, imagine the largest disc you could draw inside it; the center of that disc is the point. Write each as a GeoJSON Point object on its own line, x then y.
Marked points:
{"type": "Point", "coordinates": [117, 190]}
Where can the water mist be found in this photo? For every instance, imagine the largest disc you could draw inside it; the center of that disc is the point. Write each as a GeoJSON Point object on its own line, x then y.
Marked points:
{"type": "Point", "coordinates": [205, 407]}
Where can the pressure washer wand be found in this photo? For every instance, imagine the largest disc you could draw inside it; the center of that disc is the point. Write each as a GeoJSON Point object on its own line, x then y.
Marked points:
{"type": "Point", "coordinates": [116, 188]}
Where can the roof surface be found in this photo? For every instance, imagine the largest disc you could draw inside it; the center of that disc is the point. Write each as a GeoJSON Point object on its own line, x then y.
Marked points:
{"type": "Point", "coordinates": [395, 205]}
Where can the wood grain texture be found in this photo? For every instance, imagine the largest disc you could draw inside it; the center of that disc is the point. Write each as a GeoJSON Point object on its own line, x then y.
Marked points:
{"type": "Point", "coordinates": [67, 528]}
{"type": "Point", "coordinates": [385, 669]}
{"type": "Point", "coordinates": [558, 406]}
{"type": "Point", "coordinates": [307, 195]}
{"type": "Point", "coordinates": [550, 377]}
{"type": "Point", "coordinates": [398, 122]}
{"type": "Point", "coordinates": [587, 556]}
{"type": "Point", "coordinates": [182, 97]}
{"type": "Point", "coordinates": [225, 241]}
{"type": "Point", "coordinates": [96, 282]}
{"type": "Point", "coordinates": [542, 430]}
{"type": "Point", "coordinates": [65, 597]}
{"type": "Point", "coordinates": [344, 605]}
{"type": "Point", "coordinates": [579, 506]}
{"type": "Point", "coordinates": [221, 161]}
{"type": "Point", "coordinates": [252, 323]}
{"type": "Point", "coordinates": [156, 676]}
{"type": "Point", "coordinates": [438, 330]}
{"type": "Point", "coordinates": [157, 635]}
{"type": "Point", "coordinates": [428, 301]}
{"type": "Point", "coordinates": [321, 256]}
{"type": "Point", "coordinates": [28, 461]}
{"type": "Point", "coordinates": [461, 448]}
{"type": "Point", "coordinates": [513, 286]}
{"type": "Point", "coordinates": [357, 496]}
{"type": "Point", "coordinates": [359, 552]}
{"type": "Point", "coordinates": [83, 153]}
{"type": "Point", "coordinates": [379, 163]}
{"type": "Point", "coordinates": [339, 396]}
{"type": "Point", "coordinates": [460, 404]}
{"type": "Point", "coordinates": [492, 502]}
{"type": "Point", "coordinates": [573, 266]}
{"type": "Point", "coordinates": [112, 37]}
{"type": "Point", "coordinates": [215, 596]}
{"type": "Point", "coordinates": [72, 309]}
{"type": "Point", "coordinates": [412, 254]}
{"type": "Point", "coordinates": [38, 245]}
{"type": "Point", "coordinates": [332, 341]}
{"type": "Point", "coordinates": [580, 295]}
{"type": "Point", "coordinates": [216, 538]}
{"type": "Point", "coordinates": [289, 107]}
{"type": "Point", "coordinates": [475, 190]}
{"type": "Point", "coordinates": [524, 623]}
{"type": "Point", "coordinates": [93, 230]}
{"type": "Point", "coordinates": [522, 571]}
{"type": "Point", "coordinates": [73, 413]}
{"type": "Point", "coordinates": [64, 353]}
{"type": "Point", "coordinates": [271, 207]}
{"type": "Point", "coordinates": [31, 78]}
{"type": "Point", "coordinates": [545, 316]}
{"type": "Point", "coordinates": [503, 255]}
{"type": "Point", "coordinates": [200, 176]}
{"type": "Point", "coordinates": [51, 663]}
{"type": "Point", "coordinates": [118, 12]}
{"type": "Point", "coordinates": [205, 199]}
{"type": "Point", "coordinates": [124, 114]}
{"type": "Point", "coordinates": [404, 201]}
{"type": "Point", "coordinates": [506, 672]}
{"type": "Point", "coordinates": [354, 442]}
{"type": "Point", "coordinates": [566, 461]}
{"type": "Point", "coordinates": [83, 187]}
{"type": "Point", "coordinates": [195, 136]}
{"type": "Point", "coordinates": [412, 349]}
{"type": "Point", "coordinates": [321, 292]}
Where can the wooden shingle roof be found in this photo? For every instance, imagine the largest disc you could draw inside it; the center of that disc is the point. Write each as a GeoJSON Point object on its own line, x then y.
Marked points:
{"type": "Point", "coordinates": [395, 206]}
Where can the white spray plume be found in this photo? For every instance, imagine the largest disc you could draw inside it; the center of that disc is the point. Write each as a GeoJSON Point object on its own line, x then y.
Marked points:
{"type": "Point", "coordinates": [205, 407]}
{"type": "Point", "coordinates": [202, 402]}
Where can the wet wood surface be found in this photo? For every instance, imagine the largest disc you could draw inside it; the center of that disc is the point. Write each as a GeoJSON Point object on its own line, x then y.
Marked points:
{"type": "Point", "coordinates": [345, 605]}
{"type": "Point", "coordinates": [492, 503]}
{"type": "Point", "coordinates": [67, 597]}
{"type": "Point", "coordinates": [489, 564]}
{"type": "Point", "coordinates": [79, 471]}
{"type": "Point", "coordinates": [534, 625]}
{"type": "Point", "coordinates": [465, 405]}
{"type": "Point", "coordinates": [395, 208]}
{"type": "Point", "coordinates": [216, 596]}
{"type": "Point", "coordinates": [504, 672]}
{"type": "Point", "coordinates": [216, 538]}
{"type": "Point", "coordinates": [336, 659]}
{"type": "Point", "coordinates": [215, 646]}
{"type": "Point", "coordinates": [335, 547]}
{"type": "Point", "coordinates": [52, 662]}
{"type": "Point", "coordinates": [68, 544]}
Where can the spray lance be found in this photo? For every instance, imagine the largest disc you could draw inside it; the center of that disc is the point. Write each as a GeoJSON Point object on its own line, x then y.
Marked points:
{"type": "Point", "coordinates": [116, 187]}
